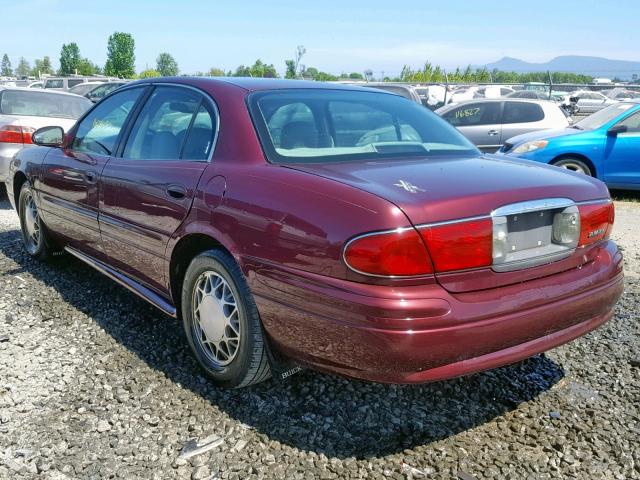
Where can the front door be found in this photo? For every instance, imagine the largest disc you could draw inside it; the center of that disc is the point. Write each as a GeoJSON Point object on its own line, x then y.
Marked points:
{"type": "Point", "coordinates": [148, 188]}
{"type": "Point", "coordinates": [479, 122]}
{"type": "Point", "coordinates": [69, 178]}
{"type": "Point", "coordinates": [622, 153]}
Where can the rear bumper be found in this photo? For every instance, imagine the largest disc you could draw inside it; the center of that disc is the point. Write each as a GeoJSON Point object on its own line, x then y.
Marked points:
{"type": "Point", "coordinates": [7, 151]}
{"type": "Point", "coordinates": [424, 333]}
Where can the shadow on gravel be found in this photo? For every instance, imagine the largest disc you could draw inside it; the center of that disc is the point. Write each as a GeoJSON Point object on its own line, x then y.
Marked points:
{"type": "Point", "coordinates": [626, 195]}
{"type": "Point", "coordinates": [312, 411]}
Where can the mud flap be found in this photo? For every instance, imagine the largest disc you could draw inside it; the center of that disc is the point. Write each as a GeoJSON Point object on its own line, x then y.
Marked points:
{"type": "Point", "coordinates": [282, 368]}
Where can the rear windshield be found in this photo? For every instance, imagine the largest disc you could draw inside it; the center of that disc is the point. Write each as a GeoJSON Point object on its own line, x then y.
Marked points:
{"type": "Point", "coordinates": [318, 126]}
{"type": "Point", "coordinates": [42, 104]}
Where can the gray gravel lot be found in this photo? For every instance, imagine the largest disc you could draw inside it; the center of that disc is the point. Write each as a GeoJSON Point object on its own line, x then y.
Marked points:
{"type": "Point", "coordinates": [94, 383]}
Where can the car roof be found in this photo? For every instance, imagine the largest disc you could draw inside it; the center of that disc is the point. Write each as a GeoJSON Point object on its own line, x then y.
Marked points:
{"type": "Point", "coordinates": [254, 84]}
{"type": "Point", "coordinates": [39, 90]}
{"type": "Point", "coordinates": [500, 99]}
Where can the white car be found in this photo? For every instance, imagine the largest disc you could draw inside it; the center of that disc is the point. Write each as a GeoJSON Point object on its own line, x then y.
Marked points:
{"type": "Point", "coordinates": [589, 102]}
{"type": "Point", "coordinates": [24, 110]}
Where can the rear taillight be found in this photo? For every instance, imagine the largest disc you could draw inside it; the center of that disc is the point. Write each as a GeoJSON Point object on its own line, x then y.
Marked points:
{"type": "Point", "coordinates": [596, 222]}
{"type": "Point", "coordinates": [525, 235]}
{"type": "Point", "coordinates": [460, 245]}
{"type": "Point", "coordinates": [15, 134]}
{"type": "Point", "coordinates": [400, 253]}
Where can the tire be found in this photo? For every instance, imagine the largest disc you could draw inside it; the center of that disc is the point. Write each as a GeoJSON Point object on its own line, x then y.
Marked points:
{"type": "Point", "coordinates": [228, 343]}
{"type": "Point", "coordinates": [35, 237]}
{"type": "Point", "coordinates": [574, 165]}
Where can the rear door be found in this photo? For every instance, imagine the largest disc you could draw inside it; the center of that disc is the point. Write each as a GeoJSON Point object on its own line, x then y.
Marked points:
{"type": "Point", "coordinates": [621, 153]}
{"type": "Point", "coordinates": [479, 122]}
{"type": "Point", "coordinates": [148, 189]}
{"type": "Point", "coordinates": [68, 184]}
{"type": "Point", "coordinates": [520, 117]}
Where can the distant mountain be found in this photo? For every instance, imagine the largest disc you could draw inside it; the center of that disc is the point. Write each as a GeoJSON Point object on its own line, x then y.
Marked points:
{"type": "Point", "coordinates": [596, 66]}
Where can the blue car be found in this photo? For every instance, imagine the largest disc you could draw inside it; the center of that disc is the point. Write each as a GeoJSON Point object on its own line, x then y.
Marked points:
{"type": "Point", "coordinates": [605, 145]}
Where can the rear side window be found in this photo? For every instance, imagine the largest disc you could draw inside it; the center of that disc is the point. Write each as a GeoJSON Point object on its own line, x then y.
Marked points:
{"type": "Point", "coordinates": [200, 137]}
{"type": "Point", "coordinates": [160, 132]}
{"type": "Point", "coordinates": [472, 114]}
{"type": "Point", "coordinates": [54, 84]}
{"type": "Point", "coordinates": [73, 83]}
{"type": "Point", "coordinates": [99, 130]}
{"type": "Point", "coordinates": [522, 112]}
{"type": "Point", "coordinates": [33, 103]}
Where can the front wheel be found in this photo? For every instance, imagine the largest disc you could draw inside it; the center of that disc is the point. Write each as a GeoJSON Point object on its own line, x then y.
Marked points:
{"type": "Point", "coordinates": [221, 321]}
{"type": "Point", "coordinates": [574, 165]}
{"type": "Point", "coordinates": [35, 237]}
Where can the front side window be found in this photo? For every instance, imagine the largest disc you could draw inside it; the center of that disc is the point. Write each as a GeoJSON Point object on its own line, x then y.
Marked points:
{"type": "Point", "coordinates": [99, 130]}
{"type": "Point", "coordinates": [35, 103]}
{"type": "Point", "coordinates": [324, 125]}
{"type": "Point", "coordinates": [473, 114]}
{"type": "Point", "coordinates": [632, 122]}
{"type": "Point", "coordinates": [73, 83]}
{"type": "Point", "coordinates": [522, 112]}
{"type": "Point", "coordinates": [167, 118]}
{"type": "Point", "coordinates": [602, 117]}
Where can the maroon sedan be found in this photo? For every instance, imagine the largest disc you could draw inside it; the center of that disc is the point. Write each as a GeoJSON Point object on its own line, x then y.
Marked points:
{"type": "Point", "coordinates": [346, 229]}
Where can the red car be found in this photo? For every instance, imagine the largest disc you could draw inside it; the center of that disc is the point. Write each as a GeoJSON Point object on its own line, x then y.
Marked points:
{"type": "Point", "coordinates": [342, 228]}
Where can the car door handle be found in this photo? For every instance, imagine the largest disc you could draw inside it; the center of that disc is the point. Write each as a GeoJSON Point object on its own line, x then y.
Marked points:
{"type": "Point", "coordinates": [90, 176]}
{"type": "Point", "coordinates": [492, 133]}
{"type": "Point", "coordinates": [176, 191]}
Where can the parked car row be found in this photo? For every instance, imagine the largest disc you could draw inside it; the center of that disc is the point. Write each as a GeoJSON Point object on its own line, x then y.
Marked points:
{"type": "Point", "coordinates": [488, 123]}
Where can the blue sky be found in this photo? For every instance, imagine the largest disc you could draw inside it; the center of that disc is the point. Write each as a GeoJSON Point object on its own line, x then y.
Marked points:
{"type": "Point", "coordinates": [339, 35]}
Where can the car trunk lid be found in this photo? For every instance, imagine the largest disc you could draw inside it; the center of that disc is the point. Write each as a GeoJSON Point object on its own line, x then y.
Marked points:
{"type": "Point", "coordinates": [437, 190]}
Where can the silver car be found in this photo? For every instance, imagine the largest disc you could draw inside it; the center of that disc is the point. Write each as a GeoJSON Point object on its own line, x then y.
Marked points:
{"type": "Point", "coordinates": [488, 123]}
{"type": "Point", "coordinates": [590, 102]}
{"type": "Point", "coordinates": [24, 110]}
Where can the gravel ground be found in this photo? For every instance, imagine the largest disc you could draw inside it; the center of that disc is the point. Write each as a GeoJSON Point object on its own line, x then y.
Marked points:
{"type": "Point", "coordinates": [94, 383]}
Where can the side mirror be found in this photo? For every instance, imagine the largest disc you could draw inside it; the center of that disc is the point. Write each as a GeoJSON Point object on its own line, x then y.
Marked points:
{"type": "Point", "coordinates": [48, 136]}
{"type": "Point", "coordinates": [616, 129]}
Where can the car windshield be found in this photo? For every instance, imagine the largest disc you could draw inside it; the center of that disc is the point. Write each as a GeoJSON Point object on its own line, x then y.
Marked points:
{"type": "Point", "coordinates": [42, 104]}
{"type": "Point", "coordinates": [323, 125]}
{"type": "Point", "coordinates": [603, 116]}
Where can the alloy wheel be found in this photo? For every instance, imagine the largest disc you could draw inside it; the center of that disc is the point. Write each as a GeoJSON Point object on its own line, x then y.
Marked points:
{"type": "Point", "coordinates": [574, 167]}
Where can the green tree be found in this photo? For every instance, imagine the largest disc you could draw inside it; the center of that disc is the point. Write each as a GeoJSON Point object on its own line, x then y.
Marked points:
{"type": "Point", "coordinates": [167, 65]}
{"type": "Point", "coordinates": [69, 58]}
{"type": "Point", "coordinates": [309, 73]}
{"type": "Point", "coordinates": [42, 67]}
{"type": "Point", "coordinates": [215, 72]}
{"type": "Point", "coordinates": [5, 69]}
{"type": "Point", "coordinates": [120, 56]}
{"type": "Point", "coordinates": [291, 69]}
{"type": "Point", "coordinates": [242, 71]}
{"type": "Point", "coordinates": [87, 67]}
{"type": "Point", "coordinates": [149, 73]}
{"type": "Point", "coordinates": [356, 76]}
{"type": "Point", "coordinates": [325, 77]}
{"type": "Point", "coordinates": [23, 69]}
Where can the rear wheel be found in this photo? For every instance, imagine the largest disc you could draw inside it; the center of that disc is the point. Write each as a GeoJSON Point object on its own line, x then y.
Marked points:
{"type": "Point", "coordinates": [221, 321]}
{"type": "Point", "coordinates": [574, 165]}
{"type": "Point", "coordinates": [35, 237]}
